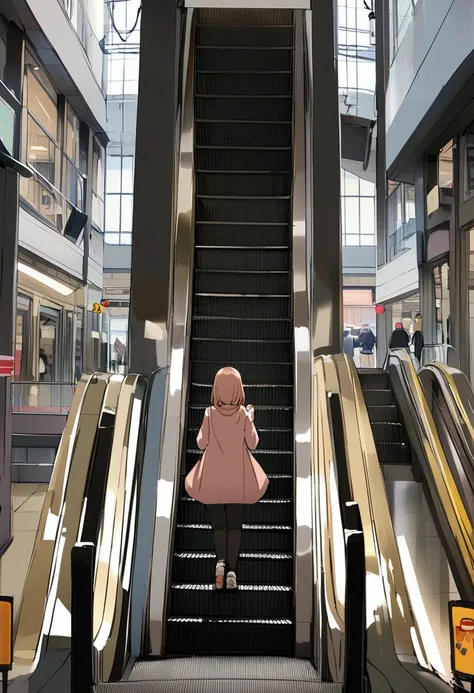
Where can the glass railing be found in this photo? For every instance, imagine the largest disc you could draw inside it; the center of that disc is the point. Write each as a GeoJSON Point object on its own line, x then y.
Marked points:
{"type": "Point", "coordinates": [439, 353]}
{"type": "Point", "coordinates": [397, 241]}
{"type": "Point", "coordinates": [42, 397]}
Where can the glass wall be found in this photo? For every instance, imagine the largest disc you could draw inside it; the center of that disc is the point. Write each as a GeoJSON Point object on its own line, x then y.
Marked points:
{"type": "Point", "coordinates": [356, 54]}
{"type": "Point", "coordinates": [51, 150]}
{"type": "Point", "coordinates": [98, 184]}
{"type": "Point", "coordinates": [402, 13]}
{"type": "Point", "coordinates": [22, 369]}
{"type": "Point", "coordinates": [401, 221]}
{"type": "Point", "coordinates": [442, 303]}
{"type": "Point", "coordinates": [358, 210]}
{"type": "Point", "coordinates": [87, 18]}
{"type": "Point", "coordinates": [122, 91]}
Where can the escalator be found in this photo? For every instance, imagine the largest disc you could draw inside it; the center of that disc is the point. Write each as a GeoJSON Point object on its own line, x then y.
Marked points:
{"type": "Point", "coordinates": [242, 318]}
{"type": "Point", "coordinates": [430, 517]}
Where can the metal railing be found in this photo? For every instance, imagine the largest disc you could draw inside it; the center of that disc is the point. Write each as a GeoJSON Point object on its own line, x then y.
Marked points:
{"type": "Point", "coordinates": [42, 397]}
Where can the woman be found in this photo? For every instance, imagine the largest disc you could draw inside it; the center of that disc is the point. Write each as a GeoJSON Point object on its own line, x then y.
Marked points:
{"type": "Point", "coordinates": [227, 476]}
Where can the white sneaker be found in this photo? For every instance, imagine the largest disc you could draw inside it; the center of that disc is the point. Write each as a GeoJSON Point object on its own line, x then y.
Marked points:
{"type": "Point", "coordinates": [231, 581]}
{"type": "Point", "coordinates": [220, 570]}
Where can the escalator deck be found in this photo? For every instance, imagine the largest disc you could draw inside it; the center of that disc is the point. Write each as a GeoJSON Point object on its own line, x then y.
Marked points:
{"type": "Point", "coordinates": [241, 318]}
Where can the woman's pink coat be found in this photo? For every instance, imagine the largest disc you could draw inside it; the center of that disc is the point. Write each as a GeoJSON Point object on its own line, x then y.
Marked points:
{"type": "Point", "coordinates": [227, 472]}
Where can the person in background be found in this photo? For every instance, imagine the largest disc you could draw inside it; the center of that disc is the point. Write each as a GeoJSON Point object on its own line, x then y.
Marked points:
{"type": "Point", "coordinates": [399, 339]}
{"type": "Point", "coordinates": [367, 343]}
{"type": "Point", "coordinates": [348, 343]}
{"type": "Point", "coordinates": [417, 339]}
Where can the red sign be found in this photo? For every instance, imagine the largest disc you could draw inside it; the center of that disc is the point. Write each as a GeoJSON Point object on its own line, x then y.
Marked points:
{"type": "Point", "coordinates": [380, 310]}
{"type": "Point", "coordinates": [7, 364]}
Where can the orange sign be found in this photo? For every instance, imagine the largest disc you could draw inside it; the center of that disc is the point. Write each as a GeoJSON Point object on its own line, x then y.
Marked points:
{"type": "Point", "coordinates": [462, 639]}
{"type": "Point", "coordinates": [6, 632]}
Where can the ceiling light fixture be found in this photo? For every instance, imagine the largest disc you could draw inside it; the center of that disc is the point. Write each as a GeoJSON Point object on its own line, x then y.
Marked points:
{"type": "Point", "coordinates": [45, 279]}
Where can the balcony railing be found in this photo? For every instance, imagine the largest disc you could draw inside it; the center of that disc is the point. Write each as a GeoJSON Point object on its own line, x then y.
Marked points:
{"type": "Point", "coordinates": [42, 397]}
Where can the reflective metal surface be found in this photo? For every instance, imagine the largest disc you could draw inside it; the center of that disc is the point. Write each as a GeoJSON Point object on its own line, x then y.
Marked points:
{"type": "Point", "coordinates": [117, 534]}
{"type": "Point", "coordinates": [394, 648]}
{"type": "Point", "coordinates": [304, 611]}
{"type": "Point", "coordinates": [30, 626]}
{"type": "Point", "coordinates": [251, 4]}
{"type": "Point", "coordinates": [179, 330]}
{"type": "Point", "coordinates": [440, 481]}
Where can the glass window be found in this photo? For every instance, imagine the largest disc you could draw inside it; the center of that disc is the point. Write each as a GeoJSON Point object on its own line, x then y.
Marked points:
{"type": "Point", "coordinates": [126, 220]}
{"type": "Point", "coordinates": [72, 136]}
{"type": "Point", "coordinates": [442, 304]}
{"type": "Point", "coordinates": [73, 183]}
{"type": "Point", "coordinates": [113, 178]}
{"type": "Point", "coordinates": [445, 166]}
{"type": "Point", "coordinates": [48, 365]}
{"type": "Point", "coordinates": [22, 370]}
{"type": "Point", "coordinates": [352, 215]}
{"type": "Point", "coordinates": [112, 213]}
{"type": "Point", "coordinates": [367, 216]}
{"type": "Point", "coordinates": [409, 203]}
{"type": "Point", "coordinates": [41, 151]}
{"type": "Point", "coordinates": [68, 346]}
{"type": "Point", "coordinates": [352, 184]}
{"type": "Point", "coordinates": [41, 105]}
{"type": "Point", "coordinates": [127, 174]}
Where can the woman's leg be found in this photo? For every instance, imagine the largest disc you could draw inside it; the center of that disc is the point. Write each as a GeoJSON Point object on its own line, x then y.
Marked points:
{"type": "Point", "coordinates": [235, 518]}
{"type": "Point", "coordinates": [217, 518]}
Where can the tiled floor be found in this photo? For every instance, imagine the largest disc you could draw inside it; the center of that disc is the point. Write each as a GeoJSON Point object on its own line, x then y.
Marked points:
{"type": "Point", "coordinates": [27, 501]}
{"type": "Point", "coordinates": [428, 577]}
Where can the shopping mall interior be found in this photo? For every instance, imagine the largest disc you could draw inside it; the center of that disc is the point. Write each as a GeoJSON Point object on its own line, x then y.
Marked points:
{"type": "Point", "coordinates": [237, 346]}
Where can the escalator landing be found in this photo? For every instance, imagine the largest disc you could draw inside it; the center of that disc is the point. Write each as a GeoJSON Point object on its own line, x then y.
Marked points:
{"type": "Point", "coordinates": [222, 674]}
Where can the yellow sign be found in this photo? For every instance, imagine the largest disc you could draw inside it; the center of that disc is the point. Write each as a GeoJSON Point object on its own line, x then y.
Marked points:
{"type": "Point", "coordinates": [6, 632]}
{"type": "Point", "coordinates": [462, 639]}
{"type": "Point", "coordinates": [97, 308]}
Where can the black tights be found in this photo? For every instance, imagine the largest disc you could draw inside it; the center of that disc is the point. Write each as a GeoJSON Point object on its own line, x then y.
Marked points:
{"type": "Point", "coordinates": [226, 521]}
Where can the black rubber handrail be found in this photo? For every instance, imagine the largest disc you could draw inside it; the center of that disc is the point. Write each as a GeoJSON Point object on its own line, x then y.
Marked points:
{"type": "Point", "coordinates": [82, 609]}
{"type": "Point", "coordinates": [355, 594]}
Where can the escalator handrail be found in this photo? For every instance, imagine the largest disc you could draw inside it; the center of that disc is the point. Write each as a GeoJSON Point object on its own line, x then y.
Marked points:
{"type": "Point", "coordinates": [355, 619]}
{"type": "Point", "coordinates": [83, 558]}
{"type": "Point", "coordinates": [454, 400]}
{"type": "Point", "coordinates": [436, 462]}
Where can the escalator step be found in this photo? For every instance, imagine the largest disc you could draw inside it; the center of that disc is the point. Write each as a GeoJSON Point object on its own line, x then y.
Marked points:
{"type": "Point", "coordinates": [386, 432]}
{"type": "Point", "coordinates": [269, 439]}
{"type": "Point", "coordinates": [251, 260]}
{"type": "Point", "coordinates": [245, 17]}
{"type": "Point", "coordinates": [232, 134]}
{"type": "Point", "coordinates": [243, 84]}
{"type": "Point", "coordinates": [234, 328]}
{"type": "Point", "coordinates": [227, 159]}
{"type": "Point", "coordinates": [255, 568]}
{"type": "Point", "coordinates": [267, 417]}
{"type": "Point", "coordinates": [198, 537]}
{"type": "Point", "coordinates": [269, 395]}
{"type": "Point", "coordinates": [280, 486]}
{"type": "Point", "coordinates": [374, 381]}
{"type": "Point", "coordinates": [215, 108]}
{"type": "Point", "coordinates": [219, 636]}
{"type": "Point", "coordinates": [246, 350]}
{"type": "Point", "coordinates": [244, 36]}
{"type": "Point", "coordinates": [272, 461]}
{"type": "Point", "coordinates": [383, 414]}
{"type": "Point", "coordinates": [242, 307]}
{"type": "Point", "coordinates": [254, 601]}
{"type": "Point", "coordinates": [393, 452]}
{"type": "Point", "coordinates": [266, 184]}
{"type": "Point", "coordinates": [275, 511]}
{"type": "Point", "coordinates": [227, 282]}
{"type": "Point", "coordinates": [256, 60]}
{"type": "Point", "coordinates": [374, 398]}
{"type": "Point", "coordinates": [204, 371]}
{"type": "Point", "coordinates": [242, 235]}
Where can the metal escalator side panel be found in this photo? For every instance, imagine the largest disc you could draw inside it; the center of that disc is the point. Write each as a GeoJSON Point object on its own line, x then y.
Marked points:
{"type": "Point", "coordinates": [30, 624]}
{"type": "Point", "coordinates": [456, 528]}
{"type": "Point", "coordinates": [117, 531]}
{"type": "Point", "coordinates": [391, 629]}
{"type": "Point", "coordinates": [304, 579]}
{"type": "Point", "coordinates": [177, 381]}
